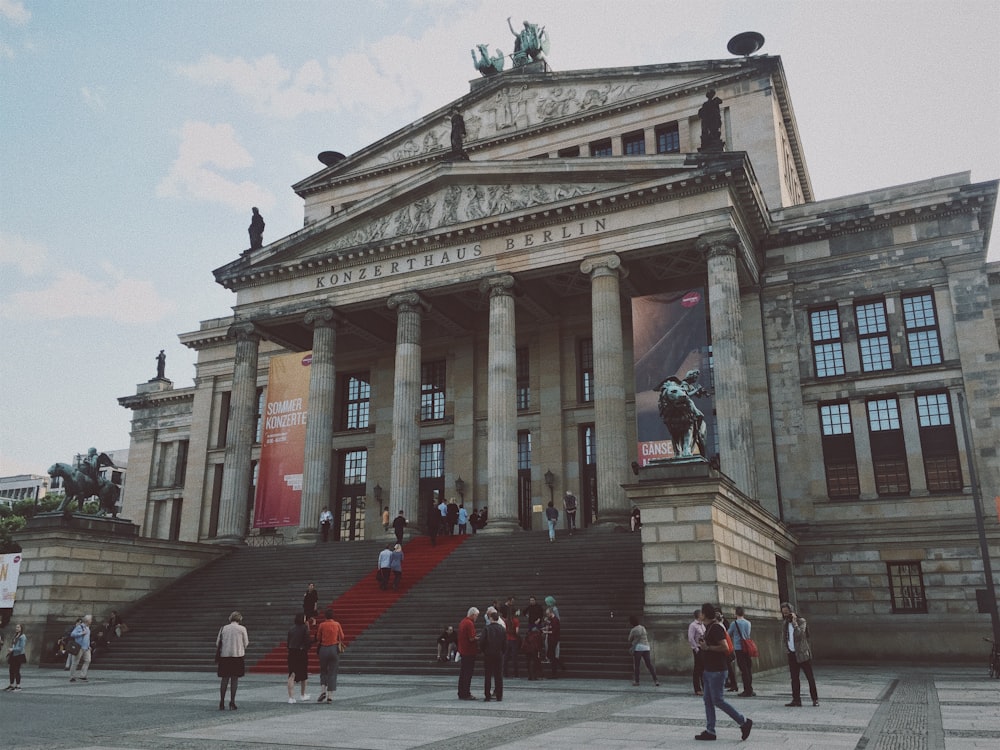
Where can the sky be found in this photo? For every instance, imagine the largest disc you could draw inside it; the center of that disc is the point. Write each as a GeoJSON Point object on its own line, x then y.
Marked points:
{"type": "Point", "coordinates": [135, 137]}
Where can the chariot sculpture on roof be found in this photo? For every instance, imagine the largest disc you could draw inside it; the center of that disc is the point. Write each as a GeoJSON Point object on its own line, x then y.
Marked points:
{"type": "Point", "coordinates": [530, 43]}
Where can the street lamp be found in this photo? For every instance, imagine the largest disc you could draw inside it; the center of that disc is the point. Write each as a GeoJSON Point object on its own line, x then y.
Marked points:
{"type": "Point", "coordinates": [460, 488]}
{"type": "Point", "coordinates": [550, 482]}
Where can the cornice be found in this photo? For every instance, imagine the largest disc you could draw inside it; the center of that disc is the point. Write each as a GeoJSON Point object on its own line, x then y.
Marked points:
{"type": "Point", "coordinates": [152, 400]}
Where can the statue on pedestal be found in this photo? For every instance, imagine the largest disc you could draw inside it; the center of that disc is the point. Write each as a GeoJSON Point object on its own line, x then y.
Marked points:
{"type": "Point", "coordinates": [684, 420]}
{"type": "Point", "coordinates": [85, 481]}
{"type": "Point", "coordinates": [711, 123]}
{"type": "Point", "coordinates": [256, 230]}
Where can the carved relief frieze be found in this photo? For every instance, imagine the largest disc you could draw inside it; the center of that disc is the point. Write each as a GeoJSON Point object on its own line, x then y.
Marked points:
{"type": "Point", "coordinates": [455, 205]}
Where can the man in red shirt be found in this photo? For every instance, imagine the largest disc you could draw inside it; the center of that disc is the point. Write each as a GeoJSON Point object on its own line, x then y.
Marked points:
{"type": "Point", "coordinates": [468, 647]}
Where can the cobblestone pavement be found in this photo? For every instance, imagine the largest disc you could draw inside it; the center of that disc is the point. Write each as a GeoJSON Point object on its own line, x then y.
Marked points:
{"type": "Point", "coordinates": [861, 708]}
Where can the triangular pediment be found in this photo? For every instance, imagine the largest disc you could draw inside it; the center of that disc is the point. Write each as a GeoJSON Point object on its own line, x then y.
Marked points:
{"type": "Point", "coordinates": [460, 197]}
{"type": "Point", "coordinates": [513, 105]}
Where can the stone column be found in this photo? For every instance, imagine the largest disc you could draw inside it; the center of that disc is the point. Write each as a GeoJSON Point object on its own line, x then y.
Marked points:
{"type": "Point", "coordinates": [609, 387]}
{"type": "Point", "coordinates": [234, 502]}
{"type": "Point", "coordinates": [405, 471]}
{"type": "Point", "coordinates": [501, 445]}
{"type": "Point", "coordinates": [732, 396]}
{"type": "Point", "coordinates": [319, 427]}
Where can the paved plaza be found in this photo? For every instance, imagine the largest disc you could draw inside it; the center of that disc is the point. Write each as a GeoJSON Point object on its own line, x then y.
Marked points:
{"type": "Point", "coordinates": [907, 708]}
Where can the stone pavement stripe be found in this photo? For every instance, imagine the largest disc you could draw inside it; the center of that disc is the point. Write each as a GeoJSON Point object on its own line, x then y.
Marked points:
{"type": "Point", "coordinates": [904, 721]}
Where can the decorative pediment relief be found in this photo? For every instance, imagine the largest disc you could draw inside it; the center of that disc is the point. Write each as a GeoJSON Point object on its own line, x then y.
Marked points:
{"type": "Point", "coordinates": [457, 204]}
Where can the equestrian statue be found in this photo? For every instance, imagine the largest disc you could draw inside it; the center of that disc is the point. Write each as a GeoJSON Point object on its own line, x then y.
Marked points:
{"type": "Point", "coordinates": [85, 481]}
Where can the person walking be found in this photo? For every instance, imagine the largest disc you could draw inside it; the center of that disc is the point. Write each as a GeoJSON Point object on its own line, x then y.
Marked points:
{"type": "Point", "coordinates": [384, 561]}
{"type": "Point", "coordinates": [16, 657]}
{"type": "Point", "coordinates": [715, 647]}
{"type": "Point", "coordinates": [551, 517]}
{"type": "Point", "coordinates": [739, 631]}
{"type": "Point", "coordinates": [795, 638]}
{"type": "Point", "coordinates": [468, 647]}
{"type": "Point", "coordinates": [231, 646]}
{"type": "Point", "coordinates": [310, 600]}
{"type": "Point", "coordinates": [298, 641]}
{"type": "Point", "coordinates": [638, 644]}
{"type": "Point", "coordinates": [81, 660]}
{"type": "Point", "coordinates": [493, 642]}
{"type": "Point", "coordinates": [696, 630]}
{"type": "Point", "coordinates": [330, 639]}
{"type": "Point", "coordinates": [569, 505]}
{"type": "Point", "coordinates": [396, 565]}
{"type": "Point", "coordinates": [398, 524]}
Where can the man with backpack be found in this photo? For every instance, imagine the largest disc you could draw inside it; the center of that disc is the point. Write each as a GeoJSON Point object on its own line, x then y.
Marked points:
{"type": "Point", "coordinates": [717, 647]}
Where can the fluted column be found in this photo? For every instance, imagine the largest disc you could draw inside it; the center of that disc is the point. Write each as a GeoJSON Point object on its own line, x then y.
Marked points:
{"type": "Point", "coordinates": [732, 395]}
{"type": "Point", "coordinates": [609, 387]}
{"type": "Point", "coordinates": [234, 502]}
{"type": "Point", "coordinates": [319, 427]}
{"type": "Point", "coordinates": [501, 440]}
{"type": "Point", "coordinates": [405, 478]}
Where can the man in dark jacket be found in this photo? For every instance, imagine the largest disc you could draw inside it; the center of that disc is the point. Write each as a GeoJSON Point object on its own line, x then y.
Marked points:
{"type": "Point", "coordinates": [398, 524]}
{"type": "Point", "coordinates": [493, 642]}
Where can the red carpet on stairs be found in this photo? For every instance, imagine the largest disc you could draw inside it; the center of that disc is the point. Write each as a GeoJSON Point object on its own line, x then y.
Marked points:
{"type": "Point", "coordinates": [365, 602]}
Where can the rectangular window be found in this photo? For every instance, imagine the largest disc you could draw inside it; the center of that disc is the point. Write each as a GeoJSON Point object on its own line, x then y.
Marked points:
{"type": "Point", "coordinates": [839, 458]}
{"type": "Point", "coordinates": [354, 467]}
{"type": "Point", "coordinates": [356, 398]}
{"type": "Point", "coordinates": [432, 382]}
{"type": "Point", "coordinates": [589, 439]}
{"type": "Point", "coordinates": [892, 477]}
{"type": "Point", "coordinates": [432, 460]}
{"type": "Point", "coordinates": [523, 450]}
{"type": "Point", "coordinates": [585, 370]}
{"type": "Point", "coordinates": [258, 425]}
{"type": "Point", "coordinates": [601, 148]}
{"type": "Point", "coordinates": [906, 587]}
{"type": "Point", "coordinates": [634, 144]}
{"type": "Point", "coordinates": [938, 443]}
{"type": "Point", "coordinates": [668, 139]}
{"type": "Point", "coordinates": [922, 336]}
{"type": "Point", "coordinates": [873, 336]}
{"type": "Point", "coordinates": [828, 350]}
{"type": "Point", "coordinates": [569, 152]}
{"type": "Point", "coordinates": [523, 379]}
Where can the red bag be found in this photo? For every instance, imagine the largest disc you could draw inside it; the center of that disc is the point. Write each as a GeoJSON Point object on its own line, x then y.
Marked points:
{"type": "Point", "coordinates": [750, 646]}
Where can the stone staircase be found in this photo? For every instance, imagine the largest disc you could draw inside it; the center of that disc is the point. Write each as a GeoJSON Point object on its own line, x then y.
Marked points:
{"type": "Point", "coordinates": [595, 576]}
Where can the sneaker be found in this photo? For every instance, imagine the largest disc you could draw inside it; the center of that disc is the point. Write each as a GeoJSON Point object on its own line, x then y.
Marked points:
{"type": "Point", "coordinates": [322, 698]}
{"type": "Point", "coordinates": [17, 689]}
{"type": "Point", "coordinates": [656, 684]}
{"type": "Point", "coordinates": [706, 735]}
{"type": "Point", "coordinates": [291, 700]}
{"type": "Point", "coordinates": [815, 703]}
{"type": "Point", "coordinates": [9, 687]}
{"type": "Point", "coordinates": [304, 698]}
{"type": "Point", "coordinates": [745, 729]}
{"type": "Point", "coordinates": [329, 699]}
{"type": "Point", "coordinates": [83, 679]}
{"type": "Point", "coordinates": [72, 679]}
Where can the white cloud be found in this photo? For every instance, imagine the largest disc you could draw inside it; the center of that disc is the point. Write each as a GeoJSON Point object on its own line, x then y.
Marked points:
{"type": "Point", "coordinates": [205, 152]}
{"type": "Point", "coordinates": [71, 294]}
{"type": "Point", "coordinates": [30, 258]}
{"type": "Point", "coordinates": [14, 11]}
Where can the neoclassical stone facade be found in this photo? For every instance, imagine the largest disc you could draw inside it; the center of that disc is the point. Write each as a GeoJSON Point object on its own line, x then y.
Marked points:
{"type": "Point", "coordinates": [471, 334]}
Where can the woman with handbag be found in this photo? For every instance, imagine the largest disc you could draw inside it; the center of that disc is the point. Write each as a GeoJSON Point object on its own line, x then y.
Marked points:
{"type": "Point", "coordinates": [230, 648]}
{"type": "Point", "coordinates": [16, 657]}
{"type": "Point", "coordinates": [739, 631]}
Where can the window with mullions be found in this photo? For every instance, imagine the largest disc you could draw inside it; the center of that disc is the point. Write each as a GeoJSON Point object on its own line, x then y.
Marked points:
{"type": "Point", "coordinates": [354, 467]}
{"type": "Point", "coordinates": [523, 378]}
{"type": "Point", "coordinates": [432, 382]}
{"type": "Point", "coordinates": [668, 139]}
{"type": "Point", "coordinates": [432, 460]}
{"type": "Point", "coordinates": [634, 144]}
{"type": "Point", "coordinates": [828, 350]}
{"type": "Point", "coordinates": [873, 336]}
{"type": "Point", "coordinates": [601, 148]}
{"type": "Point", "coordinates": [892, 477]}
{"type": "Point", "coordinates": [258, 425]}
{"type": "Point", "coordinates": [938, 443]}
{"type": "Point", "coordinates": [357, 397]}
{"type": "Point", "coordinates": [523, 450]}
{"type": "Point", "coordinates": [839, 458]}
{"type": "Point", "coordinates": [922, 337]}
{"type": "Point", "coordinates": [585, 370]}
{"type": "Point", "coordinates": [906, 588]}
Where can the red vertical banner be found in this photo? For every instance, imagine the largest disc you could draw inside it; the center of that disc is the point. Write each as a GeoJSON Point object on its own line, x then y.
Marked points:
{"type": "Point", "coordinates": [669, 339]}
{"type": "Point", "coordinates": [283, 442]}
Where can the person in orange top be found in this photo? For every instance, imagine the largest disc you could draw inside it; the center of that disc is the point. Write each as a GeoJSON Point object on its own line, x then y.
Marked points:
{"type": "Point", "coordinates": [329, 636]}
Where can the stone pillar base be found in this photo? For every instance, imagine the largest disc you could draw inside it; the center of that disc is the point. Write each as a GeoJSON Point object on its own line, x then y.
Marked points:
{"type": "Point", "coordinates": [496, 527]}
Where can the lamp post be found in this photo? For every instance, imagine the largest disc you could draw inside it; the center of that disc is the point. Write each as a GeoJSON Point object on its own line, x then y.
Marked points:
{"type": "Point", "coordinates": [460, 489]}
{"type": "Point", "coordinates": [550, 482]}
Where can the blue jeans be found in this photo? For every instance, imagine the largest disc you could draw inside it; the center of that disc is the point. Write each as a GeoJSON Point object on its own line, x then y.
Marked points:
{"type": "Point", "coordinates": [552, 529]}
{"type": "Point", "coordinates": [714, 685]}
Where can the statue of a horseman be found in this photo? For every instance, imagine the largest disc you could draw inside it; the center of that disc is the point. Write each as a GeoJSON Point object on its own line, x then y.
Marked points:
{"type": "Point", "coordinates": [85, 481]}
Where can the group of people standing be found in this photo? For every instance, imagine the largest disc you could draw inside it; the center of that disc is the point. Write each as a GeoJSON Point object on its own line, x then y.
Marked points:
{"type": "Point", "coordinates": [502, 640]}
{"type": "Point", "coordinates": [448, 518]}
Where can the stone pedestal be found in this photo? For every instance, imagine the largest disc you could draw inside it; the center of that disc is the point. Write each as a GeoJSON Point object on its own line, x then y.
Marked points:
{"type": "Point", "coordinates": [704, 541]}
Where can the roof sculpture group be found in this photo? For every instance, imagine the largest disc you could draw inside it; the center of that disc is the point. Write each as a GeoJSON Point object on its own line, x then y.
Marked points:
{"type": "Point", "coordinates": [531, 44]}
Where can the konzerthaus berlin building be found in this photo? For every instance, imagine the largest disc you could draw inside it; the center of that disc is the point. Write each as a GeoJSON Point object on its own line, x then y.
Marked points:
{"type": "Point", "coordinates": [490, 316]}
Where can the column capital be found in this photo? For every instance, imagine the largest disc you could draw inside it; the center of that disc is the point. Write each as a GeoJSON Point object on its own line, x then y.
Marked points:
{"type": "Point", "coordinates": [715, 244]}
{"type": "Point", "coordinates": [321, 317]}
{"type": "Point", "coordinates": [408, 302]}
{"type": "Point", "coordinates": [244, 331]}
{"type": "Point", "coordinates": [498, 286]}
{"type": "Point", "coordinates": [603, 265]}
